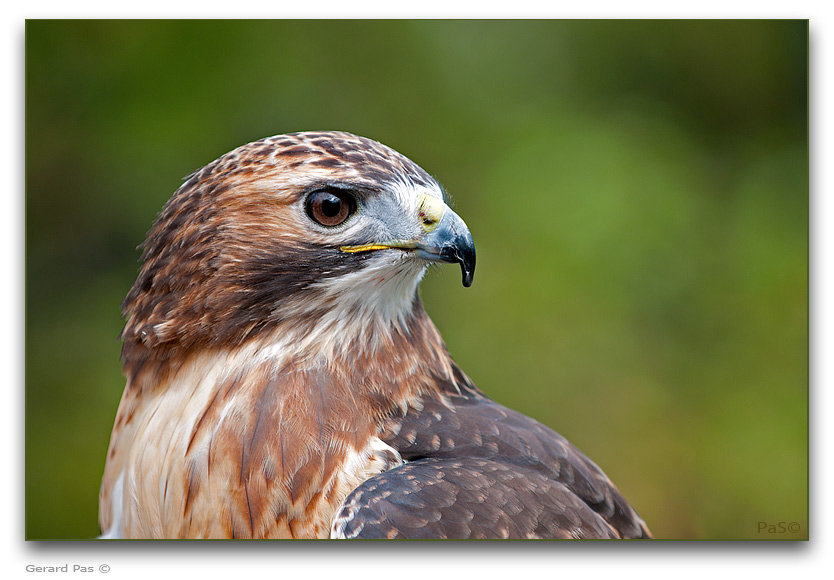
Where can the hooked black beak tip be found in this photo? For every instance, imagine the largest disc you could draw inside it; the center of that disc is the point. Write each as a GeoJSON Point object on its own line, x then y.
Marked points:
{"type": "Point", "coordinates": [461, 249]}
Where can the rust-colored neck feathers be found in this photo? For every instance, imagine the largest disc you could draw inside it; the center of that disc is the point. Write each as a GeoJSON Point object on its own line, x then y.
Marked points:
{"type": "Point", "coordinates": [278, 437]}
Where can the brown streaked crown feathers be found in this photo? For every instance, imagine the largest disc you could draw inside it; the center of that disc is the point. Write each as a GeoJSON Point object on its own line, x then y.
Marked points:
{"type": "Point", "coordinates": [284, 381]}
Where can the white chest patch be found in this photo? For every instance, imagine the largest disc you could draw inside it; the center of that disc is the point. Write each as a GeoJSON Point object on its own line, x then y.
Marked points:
{"type": "Point", "coordinates": [376, 458]}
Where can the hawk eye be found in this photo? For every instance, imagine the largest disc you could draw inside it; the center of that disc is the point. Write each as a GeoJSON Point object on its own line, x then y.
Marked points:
{"type": "Point", "coordinates": [330, 207]}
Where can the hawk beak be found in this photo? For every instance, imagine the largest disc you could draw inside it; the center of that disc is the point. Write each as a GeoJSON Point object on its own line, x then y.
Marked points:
{"type": "Point", "coordinates": [445, 238]}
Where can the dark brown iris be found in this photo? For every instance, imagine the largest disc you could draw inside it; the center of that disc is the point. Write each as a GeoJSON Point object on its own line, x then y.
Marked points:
{"type": "Point", "coordinates": [330, 207]}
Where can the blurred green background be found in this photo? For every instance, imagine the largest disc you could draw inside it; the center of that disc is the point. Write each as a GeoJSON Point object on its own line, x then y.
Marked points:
{"type": "Point", "coordinates": [637, 190]}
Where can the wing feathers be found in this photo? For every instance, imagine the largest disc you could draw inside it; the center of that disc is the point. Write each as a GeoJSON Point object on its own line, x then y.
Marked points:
{"type": "Point", "coordinates": [492, 472]}
{"type": "Point", "coordinates": [469, 498]}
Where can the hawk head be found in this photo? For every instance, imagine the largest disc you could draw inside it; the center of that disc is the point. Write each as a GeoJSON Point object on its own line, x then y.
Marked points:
{"type": "Point", "coordinates": [324, 234]}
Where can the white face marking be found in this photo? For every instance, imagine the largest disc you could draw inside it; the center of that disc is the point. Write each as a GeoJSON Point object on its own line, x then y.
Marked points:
{"type": "Point", "coordinates": [364, 307]}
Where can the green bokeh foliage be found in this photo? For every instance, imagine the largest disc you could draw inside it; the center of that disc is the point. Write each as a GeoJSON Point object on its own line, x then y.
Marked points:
{"type": "Point", "coordinates": [637, 190]}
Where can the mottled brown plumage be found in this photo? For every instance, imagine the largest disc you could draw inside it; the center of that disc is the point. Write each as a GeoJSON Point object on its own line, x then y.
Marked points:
{"type": "Point", "coordinates": [283, 379]}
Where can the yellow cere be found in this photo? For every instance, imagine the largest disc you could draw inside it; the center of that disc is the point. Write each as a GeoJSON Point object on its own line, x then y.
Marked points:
{"type": "Point", "coordinates": [430, 210]}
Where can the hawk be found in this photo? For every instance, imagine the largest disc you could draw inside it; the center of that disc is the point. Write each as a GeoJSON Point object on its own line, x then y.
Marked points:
{"type": "Point", "coordinates": [284, 380]}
